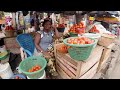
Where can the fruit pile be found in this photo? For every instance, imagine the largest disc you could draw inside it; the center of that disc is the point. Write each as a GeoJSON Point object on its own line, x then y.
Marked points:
{"type": "Point", "coordinates": [9, 28]}
{"type": "Point", "coordinates": [77, 28]}
{"type": "Point", "coordinates": [94, 30]}
{"type": "Point", "coordinates": [80, 40]}
{"type": "Point", "coordinates": [63, 48]}
{"type": "Point", "coordinates": [61, 26]}
{"type": "Point", "coordinates": [34, 68]}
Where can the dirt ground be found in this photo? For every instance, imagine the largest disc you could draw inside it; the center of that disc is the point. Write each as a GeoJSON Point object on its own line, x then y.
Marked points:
{"type": "Point", "coordinates": [116, 71]}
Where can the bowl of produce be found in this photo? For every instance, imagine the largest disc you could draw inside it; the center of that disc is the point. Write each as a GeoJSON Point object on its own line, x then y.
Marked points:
{"type": "Point", "coordinates": [33, 66]}
{"type": "Point", "coordinates": [80, 48]}
{"type": "Point", "coordinates": [62, 48]}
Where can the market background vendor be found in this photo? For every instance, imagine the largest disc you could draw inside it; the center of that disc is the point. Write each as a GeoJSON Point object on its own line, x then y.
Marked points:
{"type": "Point", "coordinates": [44, 42]}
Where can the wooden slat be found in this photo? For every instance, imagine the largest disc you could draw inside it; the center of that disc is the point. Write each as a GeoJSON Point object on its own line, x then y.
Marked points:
{"type": "Point", "coordinates": [104, 57]}
{"type": "Point", "coordinates": [78, 72]}
{"type": "Point", "coordinates": [110, 46]}
{"type": "Point", "coordinates": [62, 73]}
{"type": "Point", "coordinates": [94, 57]}
{"type": "Point", "coordinates": [66, 65]}
{"type": "Point", "coordinates": [65, 69]}
{"type": "Point", "coordinates": [66, 57]}
{"type": "Point", "coordinates": [67, 62]}
{"type": "Point", "coordinates": [89, 74]}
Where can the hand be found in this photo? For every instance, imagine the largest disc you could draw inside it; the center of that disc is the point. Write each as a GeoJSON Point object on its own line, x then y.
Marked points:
{"type": "Point", "coordinates": [46, 55]}
{"type": "Point", "coordinates": [54, 26]}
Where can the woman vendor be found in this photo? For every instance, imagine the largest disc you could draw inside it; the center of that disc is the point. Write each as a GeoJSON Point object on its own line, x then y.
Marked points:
{"type": "Point", "coordinates": [44, 43]}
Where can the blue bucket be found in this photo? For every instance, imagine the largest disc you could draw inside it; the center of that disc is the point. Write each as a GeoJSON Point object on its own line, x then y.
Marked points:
{"type": "Point", "coordinates": [19, 75]}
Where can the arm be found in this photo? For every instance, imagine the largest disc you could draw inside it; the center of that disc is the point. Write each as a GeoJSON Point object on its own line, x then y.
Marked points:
{"type": "Point", "coordinates": [56, 33]}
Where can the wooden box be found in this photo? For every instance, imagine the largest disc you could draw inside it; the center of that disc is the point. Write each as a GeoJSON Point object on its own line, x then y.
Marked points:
{"type": "Point", "coordinates": [104, 41]}
{"type": "Point", "coordinates": [90, 73]}
{"type": "Point", "coordinates": [71, 69]}
{"type": "Point", "coordinates": [105, 55]}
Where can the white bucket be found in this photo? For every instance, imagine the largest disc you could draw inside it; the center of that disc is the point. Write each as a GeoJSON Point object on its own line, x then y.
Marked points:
{"type": "Point", "coordinates": [92, 35]}
{"type": "Point", "coordinates": [5, 71]}
{"type": "Point", "coordinates": [43, 77]}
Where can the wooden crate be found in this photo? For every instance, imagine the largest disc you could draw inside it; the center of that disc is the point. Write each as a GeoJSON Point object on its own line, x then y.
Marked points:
{"type": "Point", "coordinates": [71, 69]}
{"type": "Point", "coordinates": [90, 74]}
{"type": "Point", "coordinates": [105, 55]}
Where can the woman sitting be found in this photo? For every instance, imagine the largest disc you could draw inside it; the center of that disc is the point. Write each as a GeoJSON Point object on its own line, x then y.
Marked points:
{"type": "Point", "coordinates": [44, 43]}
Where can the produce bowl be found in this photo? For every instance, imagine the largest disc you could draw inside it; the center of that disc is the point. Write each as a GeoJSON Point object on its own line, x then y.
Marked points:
{"type": "Point", "coordinates": [29, 62]}
{"type": "Point", "coordinates": [80, 52]}
{"type": "Point", "coordinates": [20, 76]}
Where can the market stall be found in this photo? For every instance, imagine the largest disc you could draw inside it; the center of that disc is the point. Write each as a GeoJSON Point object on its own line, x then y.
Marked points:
{"type": "Point", "coordinates": [80, 53]}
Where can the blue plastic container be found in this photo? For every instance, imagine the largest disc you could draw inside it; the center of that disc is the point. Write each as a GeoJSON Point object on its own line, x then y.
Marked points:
{"type": "Point", "coordinates": [19, 75]}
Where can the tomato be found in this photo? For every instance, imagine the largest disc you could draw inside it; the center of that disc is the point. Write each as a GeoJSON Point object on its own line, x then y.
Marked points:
{"type": "Point", "coordinates": [75, 42]}
{"type": "Point", "coordinates": [30, 70]}
{"type": "Point", "coordinates": [16, 77]}
{"type": "Point", "coordinates": [82, 42]}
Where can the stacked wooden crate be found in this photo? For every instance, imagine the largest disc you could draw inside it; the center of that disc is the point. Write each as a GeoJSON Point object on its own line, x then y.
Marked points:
{"type": "Point", "coordinates": [72, 69]}
{"type": "Point", "coordinates": [105, 56]}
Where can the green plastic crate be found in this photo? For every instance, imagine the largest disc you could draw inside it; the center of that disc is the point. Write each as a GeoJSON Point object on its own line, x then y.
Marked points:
{"type": "Point", "coordinates": [80, 52]}
{"type": "Point", "coordinates": [29, 62]}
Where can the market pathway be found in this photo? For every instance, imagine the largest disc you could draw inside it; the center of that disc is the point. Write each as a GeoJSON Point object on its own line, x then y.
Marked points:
{"type": "Point", "coordinates": [116, 71]}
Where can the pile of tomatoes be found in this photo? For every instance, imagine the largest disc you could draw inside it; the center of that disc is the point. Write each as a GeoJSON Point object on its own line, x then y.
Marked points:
{"type": "Point", "coordinates": [80, 40]}
{"type": "Point", "coordinates": [77, 28]}
{"type": "Point", "coordinates": [94, 30]}
{"type": "Point", "coordinates": [9, 28]}
{"type": "Point", "coordinates": [63, 49]}
{"type": "Point", "coordinates": [34, 68]}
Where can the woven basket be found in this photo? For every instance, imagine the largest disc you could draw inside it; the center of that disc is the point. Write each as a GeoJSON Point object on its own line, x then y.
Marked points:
{"type": "Point", "coordinates": [9, 33]}
{"type": "Point", "coordinates": [105, 41]}
{"type": "Point", "coordinates": [80, 52]}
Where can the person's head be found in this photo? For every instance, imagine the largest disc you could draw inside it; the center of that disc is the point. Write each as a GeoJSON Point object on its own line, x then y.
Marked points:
{"type": "Point", "coordinates": [47, 24]}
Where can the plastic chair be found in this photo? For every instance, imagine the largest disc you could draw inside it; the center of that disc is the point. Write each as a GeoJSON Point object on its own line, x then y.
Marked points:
{"type": "Point", "coordinates": [26, 43]}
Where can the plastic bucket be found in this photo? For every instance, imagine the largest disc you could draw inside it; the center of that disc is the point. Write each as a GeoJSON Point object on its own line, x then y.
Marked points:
{"type": "Point", "coordinates": [19, 75]}
{"type": "Point", "coordinates": [79, 52]}
{"type": "Point", "coordinates": [29, 62]}
{"type": "Point", "coordinates": [5, 71]}
{"type": "Point", "coordinates": [42, 77]}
